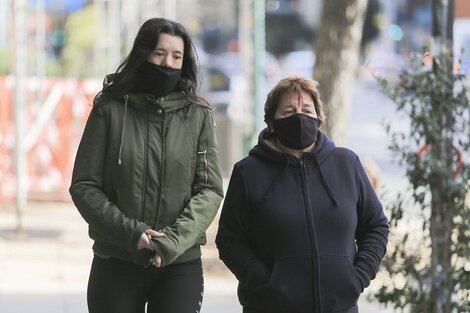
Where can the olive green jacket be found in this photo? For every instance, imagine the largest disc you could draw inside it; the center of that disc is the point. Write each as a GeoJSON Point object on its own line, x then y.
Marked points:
{"type": "Point", "coordinates": [148, 163]}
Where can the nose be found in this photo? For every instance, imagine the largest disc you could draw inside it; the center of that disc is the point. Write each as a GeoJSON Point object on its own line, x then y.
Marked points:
{"type": "Point", "coordinates": [167, 62]}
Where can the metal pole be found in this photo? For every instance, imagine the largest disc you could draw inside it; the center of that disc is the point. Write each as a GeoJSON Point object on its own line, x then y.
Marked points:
{"type": "Point", "coordinates": [245, 25]}
{"type": "Point", "coordinates": [443, 12]}
{"type": "Point", "coordinates": [440, 220]}
{"type": "Point", "coordinates": [98, 54]}
{"type": "Point", "coordinates": [114, 35]}
{"type": "Point", "coordinates": [40, 51]}
{"type": "Point", "coordinates": [4, 8]}
{"type": "Point", "coordinates": [20, 76]}
{"type": "Point", "coordinates": [98, 44]}
{"type": "Point", "coordinates": [259, 48]}
{"type": "Point", "coordinates": [131, 22]}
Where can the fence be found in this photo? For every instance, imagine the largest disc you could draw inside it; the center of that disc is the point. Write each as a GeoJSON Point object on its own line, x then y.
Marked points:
{"type": "Point", "coordinates": [56, 111]}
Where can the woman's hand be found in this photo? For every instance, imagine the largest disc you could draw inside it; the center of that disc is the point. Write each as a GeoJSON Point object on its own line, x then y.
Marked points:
{"type": "Point", "coordinates": [144, 243]}
{"type": "Point", "coordinates": [156, 260]}
{"type": "Point", "coordinates": [144, 240]}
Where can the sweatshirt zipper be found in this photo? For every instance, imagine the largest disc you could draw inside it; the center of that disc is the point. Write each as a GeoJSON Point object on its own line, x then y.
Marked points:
{"type": "Point", "coordinates": [204, 153]}
{"type": "Point", "coordinates": [312, 240]}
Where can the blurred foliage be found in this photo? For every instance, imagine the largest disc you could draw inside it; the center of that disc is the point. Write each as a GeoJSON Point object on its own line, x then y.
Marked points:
{"type": "Point", "coordinates": [78, 51]}
{"type": "Point", "coordinates": [434, 151]}
{"type": "Point", "coordinates": [5, 61]}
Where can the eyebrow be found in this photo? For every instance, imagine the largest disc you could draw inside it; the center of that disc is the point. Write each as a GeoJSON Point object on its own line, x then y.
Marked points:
{"type": "Point", "coordinates": [164, 50]}
{"type": "Point", "coordinates": [305, 104]}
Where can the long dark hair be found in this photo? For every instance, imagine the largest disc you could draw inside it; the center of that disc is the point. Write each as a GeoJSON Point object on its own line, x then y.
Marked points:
{"type": "Point", "coordinates": [126, 80]}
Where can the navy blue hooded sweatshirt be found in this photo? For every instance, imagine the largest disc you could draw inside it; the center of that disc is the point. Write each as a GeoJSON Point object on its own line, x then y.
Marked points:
{"type": "Point", "coordinates": [301, 236]}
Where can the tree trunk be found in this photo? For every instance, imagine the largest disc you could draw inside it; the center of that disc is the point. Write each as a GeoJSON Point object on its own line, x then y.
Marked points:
{"type": "Point", "coordinates": [441, 210]}
{"type": "Point", "coordinates": [337, 58]}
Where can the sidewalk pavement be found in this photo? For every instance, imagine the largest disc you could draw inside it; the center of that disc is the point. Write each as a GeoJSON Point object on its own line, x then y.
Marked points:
{"type": "Point", "coordinates": [47, 270]}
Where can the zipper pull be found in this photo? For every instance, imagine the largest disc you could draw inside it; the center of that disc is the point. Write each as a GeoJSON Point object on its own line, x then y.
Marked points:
{"type": "Point", "coordinates": [302, 164]}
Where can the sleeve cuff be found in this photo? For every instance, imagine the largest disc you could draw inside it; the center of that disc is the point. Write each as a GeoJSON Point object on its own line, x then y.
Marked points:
{"type": "Point", "coordinates": [136, 235]}
{"type": "Point", "coordinates": [363, 275]}
{"type": "Point", "coordinates": [159, 250]}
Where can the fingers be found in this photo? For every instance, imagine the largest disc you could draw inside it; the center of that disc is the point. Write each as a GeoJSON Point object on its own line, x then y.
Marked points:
{"type": "Point", "coordinates": [146, 238]}
{"type": "Point", "coordinates": [149, 245]}
{"type": "Point", "coordinates": [157, 261]}
{"type": "Point", "coordinates": [143, 242]}
{"type": "Point", "coordinates": [154, 233]}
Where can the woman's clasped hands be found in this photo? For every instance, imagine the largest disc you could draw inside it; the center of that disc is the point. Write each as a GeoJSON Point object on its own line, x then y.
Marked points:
{"type": "Point", "coordinates": [144, 243]}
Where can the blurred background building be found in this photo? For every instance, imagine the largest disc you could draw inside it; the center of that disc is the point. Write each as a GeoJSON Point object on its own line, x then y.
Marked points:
{"type": "Point", "coordinates": [65, 47]}
{"type": "Point", "coordinates": [55, 53]}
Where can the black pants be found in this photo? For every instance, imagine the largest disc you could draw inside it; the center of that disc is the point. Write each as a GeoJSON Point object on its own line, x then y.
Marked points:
{"type": "Point", "coordinates": [116, 286]}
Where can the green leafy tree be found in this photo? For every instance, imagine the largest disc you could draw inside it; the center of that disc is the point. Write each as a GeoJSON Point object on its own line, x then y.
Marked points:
{"type": "Point", "coordinates": [427, 265]}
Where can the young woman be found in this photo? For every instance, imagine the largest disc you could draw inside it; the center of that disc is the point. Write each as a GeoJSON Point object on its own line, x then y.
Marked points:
{"type": "Point", "coordinates": [147, 178]}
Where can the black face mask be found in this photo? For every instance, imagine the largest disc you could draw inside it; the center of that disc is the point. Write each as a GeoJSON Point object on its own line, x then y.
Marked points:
{"type": "Point", "coordinates": [158, 80]}
{"type": "Point", "coordinates": [297, 131]}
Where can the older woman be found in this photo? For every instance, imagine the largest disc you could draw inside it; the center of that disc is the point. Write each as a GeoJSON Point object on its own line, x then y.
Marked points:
{"type": "Point", "coordinates": [301, 227]}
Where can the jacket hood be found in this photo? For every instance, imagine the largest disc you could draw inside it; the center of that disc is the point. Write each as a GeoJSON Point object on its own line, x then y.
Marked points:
{"type": "Point", "coordinates": [324, 147]}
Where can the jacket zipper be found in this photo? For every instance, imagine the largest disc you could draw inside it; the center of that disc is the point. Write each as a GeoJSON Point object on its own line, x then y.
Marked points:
{"type": "Point", "coordinates": [312, 239]}
{"type": "Point", "coordinates": [144, 183]}
{"type": "Point", "coordinates": [162, 168]}
{"type": "Point", "coordinates": [204, 153]}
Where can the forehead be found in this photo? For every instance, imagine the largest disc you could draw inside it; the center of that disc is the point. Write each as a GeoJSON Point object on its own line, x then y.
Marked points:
{"type": "Point", "coordinates": [169, 42]}
{"type": "Point", "coordinates": [295, 99]}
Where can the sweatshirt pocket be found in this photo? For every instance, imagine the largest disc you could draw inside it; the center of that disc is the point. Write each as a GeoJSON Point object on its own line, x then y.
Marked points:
{"type": "Point", "coordinates": [290, 286]}
{"type": "Point", "coordinates": [340, 285]}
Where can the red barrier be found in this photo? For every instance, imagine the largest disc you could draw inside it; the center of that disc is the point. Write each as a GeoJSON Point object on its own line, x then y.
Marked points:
{"type": "Point", "coordinates": [51, 153]}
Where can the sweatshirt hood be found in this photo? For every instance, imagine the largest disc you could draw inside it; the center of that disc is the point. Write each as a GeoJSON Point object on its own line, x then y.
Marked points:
{"type": "Point", "coordinates": [265, 150]}
{"type": "Point", "coordinates": [324, 147]}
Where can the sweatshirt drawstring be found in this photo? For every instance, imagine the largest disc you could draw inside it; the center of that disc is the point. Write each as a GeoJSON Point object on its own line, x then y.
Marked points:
{"type": "Point", "coordinates": [126, 97]}
{"type": "Point", "coordinates": [325, 184]}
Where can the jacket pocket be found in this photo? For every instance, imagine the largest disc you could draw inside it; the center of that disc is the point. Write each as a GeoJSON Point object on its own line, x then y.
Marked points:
{"type": "Point", "coordinates": [340, 285]}
{"type": "Point", "coordinates": [290, 286]}
{"type": "Point", "coordinates": [202, 166]}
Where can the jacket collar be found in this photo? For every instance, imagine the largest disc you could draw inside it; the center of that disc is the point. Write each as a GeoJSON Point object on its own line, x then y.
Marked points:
{"type": "Point", "coordinates": [147, 102]}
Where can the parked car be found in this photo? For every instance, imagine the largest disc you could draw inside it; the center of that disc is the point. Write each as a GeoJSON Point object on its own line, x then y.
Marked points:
{"type": "Point", "coordinates": [224, 83]}
{"type": "Point", "coordinates": [298, 63]}
{"type": "Point", "coordinates": [384, 64]}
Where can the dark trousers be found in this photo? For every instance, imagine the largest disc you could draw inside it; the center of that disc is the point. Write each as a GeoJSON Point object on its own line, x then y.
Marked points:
{"type": "Point", "coordinates": [116, 286]}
